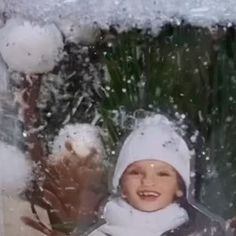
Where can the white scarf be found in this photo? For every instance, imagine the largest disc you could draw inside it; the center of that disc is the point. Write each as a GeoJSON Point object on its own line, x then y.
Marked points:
{"type": "Point", "coordinates": [123, 220]}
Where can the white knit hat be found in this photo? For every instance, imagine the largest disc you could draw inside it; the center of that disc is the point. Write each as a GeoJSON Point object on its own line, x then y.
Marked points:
{"type": "Point", "coordinates": [155, 139]}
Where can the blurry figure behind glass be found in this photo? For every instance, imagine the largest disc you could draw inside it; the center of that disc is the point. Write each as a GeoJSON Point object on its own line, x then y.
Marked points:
{"type": "Point", "coordinates": [72, 192]}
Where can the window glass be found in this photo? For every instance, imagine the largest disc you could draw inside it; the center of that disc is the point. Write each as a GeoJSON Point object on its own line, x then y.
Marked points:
{"type": "Point", "coordinates": [118, 128]}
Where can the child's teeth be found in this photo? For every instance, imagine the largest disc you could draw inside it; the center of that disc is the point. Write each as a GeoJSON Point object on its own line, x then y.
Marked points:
{"type": "Point", "coordinates": [149, 194]}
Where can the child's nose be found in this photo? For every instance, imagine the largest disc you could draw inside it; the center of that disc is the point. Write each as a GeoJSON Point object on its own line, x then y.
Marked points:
{"type": "Point", "coordinates": [148, 180]}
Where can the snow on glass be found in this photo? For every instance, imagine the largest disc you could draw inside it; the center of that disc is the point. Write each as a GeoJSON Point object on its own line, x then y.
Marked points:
{"type": "Point", "coordinates": [50, 25]}
{"type": "Point", "coordinates": [126, 13]}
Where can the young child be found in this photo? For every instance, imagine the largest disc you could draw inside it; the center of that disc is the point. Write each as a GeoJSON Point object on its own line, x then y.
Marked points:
{"type": "Point", "coordinates": [151, 183]}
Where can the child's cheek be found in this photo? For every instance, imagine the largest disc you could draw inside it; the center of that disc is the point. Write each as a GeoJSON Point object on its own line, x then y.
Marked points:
{"type": "Point", "coordinates": [130, 184]}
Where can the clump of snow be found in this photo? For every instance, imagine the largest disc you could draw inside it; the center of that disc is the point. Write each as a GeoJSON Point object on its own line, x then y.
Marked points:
{"type": "Point", "coordinates": [194, 137]}
{"type": "Point", "coordinates": [82, 138]}
{"type": "Point", "coordinates": [3, 76]}
{"type": "Point", "coordinates": [126, 13]}
{"type": "Point", "coordinates": [15, 170]}
{"type": "Point", "coordinates": [76, 33]}
{"type": "Point", "coordinates": [30, 48]}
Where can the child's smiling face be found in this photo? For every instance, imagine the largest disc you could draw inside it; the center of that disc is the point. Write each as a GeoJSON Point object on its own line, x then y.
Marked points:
{"type": "Point", "coordinates": [150, 185]}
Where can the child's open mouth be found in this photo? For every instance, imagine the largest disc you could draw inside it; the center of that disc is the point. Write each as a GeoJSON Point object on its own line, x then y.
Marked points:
{"type": "Point", "coordinates": [148, 195]}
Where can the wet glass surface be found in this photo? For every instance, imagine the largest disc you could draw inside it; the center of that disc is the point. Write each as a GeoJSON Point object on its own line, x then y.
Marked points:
{"type": "Point", "coordinates": [64, 167]}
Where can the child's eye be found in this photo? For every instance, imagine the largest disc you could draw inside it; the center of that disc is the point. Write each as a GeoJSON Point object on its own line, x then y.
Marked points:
{"type": "Point", "coordinates": [163, 173]}
{"type": "Point", "coordinates": [134, 172]}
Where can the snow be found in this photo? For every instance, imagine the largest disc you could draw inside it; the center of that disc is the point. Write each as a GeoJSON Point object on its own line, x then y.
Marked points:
{"type": "Point", "coordinates": [126, 13]}
{"type": "Point", "coordinates": [30, 48]}
{"type": "Point", "coordinates": [15, 170]}
{"type": "Point", "coordinates": [3, 76]}
{"type": "Point", "coordinates": [2, 7]}
{"type": "Point", "coordinates": [82, 137]}
{"type": "Point", "coordinates": [38, 46]}
{"type": "Point", "coordinates": [75, 33]}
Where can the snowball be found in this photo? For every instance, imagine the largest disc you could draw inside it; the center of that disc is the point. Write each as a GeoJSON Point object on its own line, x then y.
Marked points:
{"type": "Point", "coordinates": [30, 48]}
{"type": "Point", "coordinates": [75, 33]}
{"type": "Point", "coordinates": [82, 137]}
{"type": "Point", "coordinates": [15, 170]}
{"type": "Point", "coordinates": [3, 76]}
